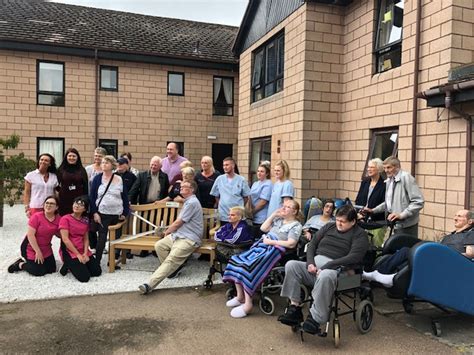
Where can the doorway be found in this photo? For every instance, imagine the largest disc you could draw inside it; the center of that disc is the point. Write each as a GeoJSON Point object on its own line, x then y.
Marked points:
{"type": "Point", "coordinates": [219, 153]}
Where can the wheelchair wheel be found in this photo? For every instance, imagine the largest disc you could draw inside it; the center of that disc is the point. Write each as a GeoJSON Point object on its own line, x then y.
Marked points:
{"type": "Point", "coordinates": [273, 282]}
{"type": "Point", "coordinates": [336, 333]}
{"type": "Point", "coordinates": [207, 284]}
{"type": "Point", "coordinates": [364, 316]}
{"type": "Point", "coordinates": [230, 293]}
{"type": "Point", "coordinates": [266, 305]}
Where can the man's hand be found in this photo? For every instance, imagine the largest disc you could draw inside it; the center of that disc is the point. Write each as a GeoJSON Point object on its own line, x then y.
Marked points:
{"type": "Point", "coordinates": [312, 269]}
{"type": "Point", "coordinates": [392, 217]}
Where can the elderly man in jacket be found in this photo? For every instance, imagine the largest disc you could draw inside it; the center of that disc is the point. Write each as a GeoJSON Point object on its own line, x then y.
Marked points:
{"type": "Point", "coordinates": [403, 198]}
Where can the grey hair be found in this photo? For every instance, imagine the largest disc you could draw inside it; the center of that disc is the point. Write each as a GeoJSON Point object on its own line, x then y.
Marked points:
{"type": "Point", "coordinates": [378, 164]}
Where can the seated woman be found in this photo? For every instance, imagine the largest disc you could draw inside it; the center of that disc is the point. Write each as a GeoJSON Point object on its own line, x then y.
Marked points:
{"type": "Point", "coordinates": [249, 269]}
{"type": "Point", "coordinates": [318, 221]}
{"type": "Point", "coordinates": [37, 254]}
{"type": "Point", "coordinates": [74, 250]}
{"type": "Point", "coordinates": [188, 175]}
{"type": "Point", "coordinates": [234, 233]}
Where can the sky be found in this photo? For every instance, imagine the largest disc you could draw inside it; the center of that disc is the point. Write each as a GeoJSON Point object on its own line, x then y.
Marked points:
{"type": "Point", "coordinates": [227, 12]}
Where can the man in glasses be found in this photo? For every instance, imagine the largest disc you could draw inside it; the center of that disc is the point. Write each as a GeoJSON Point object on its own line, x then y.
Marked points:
{"type": "Point", "coordinates": [180, 240]}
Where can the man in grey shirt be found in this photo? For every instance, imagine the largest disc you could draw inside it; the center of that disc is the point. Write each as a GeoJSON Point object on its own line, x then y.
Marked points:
{"type": "Point", "coordinates": [180, 240]}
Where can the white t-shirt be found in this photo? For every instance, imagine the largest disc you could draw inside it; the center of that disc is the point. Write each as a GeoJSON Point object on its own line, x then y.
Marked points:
{"type": "Point", "coordinates": [39, 188]}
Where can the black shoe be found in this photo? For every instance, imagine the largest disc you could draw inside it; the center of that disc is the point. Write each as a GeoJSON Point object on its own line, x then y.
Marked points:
{"type": "Point", "coordinates": [117, 267]}
{"type": "Point", "coordinates": [129, 255]}
{"type": "Point", "coordinates": [144, 253]}
{"type": "Point", "coordinates": [63, 270]}
{"type": "Point", "coordinates": [311, 326]}
{"type": "Point", "coordinates": [176, 273]}
{"type": "Point", "coordinates": [144, 289]}
{"type": "Point", "coordinates": [293, 316]}
{"type": "Point", "coordinates": [15, 267]}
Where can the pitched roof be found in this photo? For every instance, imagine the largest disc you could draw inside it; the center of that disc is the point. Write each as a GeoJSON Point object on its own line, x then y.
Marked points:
{"type": "Point", "coordinates": [70, 26]}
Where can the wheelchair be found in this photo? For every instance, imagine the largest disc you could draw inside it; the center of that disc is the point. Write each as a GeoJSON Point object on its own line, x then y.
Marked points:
{"type": "Point", "coordinates": [357, 300]}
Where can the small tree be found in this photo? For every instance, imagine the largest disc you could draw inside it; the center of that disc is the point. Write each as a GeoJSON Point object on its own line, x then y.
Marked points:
{"type": "Point", "coordinates": [12, 172]}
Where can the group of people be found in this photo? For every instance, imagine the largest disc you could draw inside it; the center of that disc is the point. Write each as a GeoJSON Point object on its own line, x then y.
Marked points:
{"type": "Point", "coordinates": [57, 204]}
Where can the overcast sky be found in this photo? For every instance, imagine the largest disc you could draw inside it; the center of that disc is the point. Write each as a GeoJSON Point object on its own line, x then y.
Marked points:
{"type": "Point", "coordinates": [228, 12]}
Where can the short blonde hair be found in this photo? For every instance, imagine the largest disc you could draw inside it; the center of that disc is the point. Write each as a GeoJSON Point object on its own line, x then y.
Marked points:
{"type": "Point", "coordinates": [185, 164]}
{"type": "Point", "coordinates": [187, 171]}
{"type": "Point", "coordinates": [284, 166]}
{"type": "Point", "coordinates": [238, 209]}
{"type": "Point", "coordinates": [111, 159]}
{"type": "Point", "coordinates": [210, 161]}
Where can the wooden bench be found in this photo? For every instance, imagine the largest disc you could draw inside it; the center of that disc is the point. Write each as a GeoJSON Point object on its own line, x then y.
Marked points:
{"type": "Point", "coordinates": [142, 229]}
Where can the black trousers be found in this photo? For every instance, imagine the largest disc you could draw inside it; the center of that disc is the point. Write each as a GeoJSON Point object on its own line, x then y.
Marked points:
{"type": "Point", "coordinates": [395, 262]}
{"type": "Point", "coordinates": [35, 269]}
{"type": "Point", "coordinates": [106, 221]}
{"type": "Point", "coordinates": [82, 272]}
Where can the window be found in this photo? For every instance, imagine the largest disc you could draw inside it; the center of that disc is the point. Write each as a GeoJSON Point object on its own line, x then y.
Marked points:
{"type": "Point", "coordinates": [223, 96]}
{"type": "Point", "coordinates": [268, 68]}
{"type": "Point", "coordinates": [388, 44]}
{"type": "Point", "coordinates": [108, 78]}
{"type": "Point", "coordinates": [50, 83]}
{"type": "Point", "coordinates": [110, 145]}
{"type": "Point", "coordinates": [53, 146]}
{"type": "Point", "coordinates": [260, 149]}
{"type": "Point", "coordinates": [175, 83]}
{"type": "Point", "coordinates": [384, 143]}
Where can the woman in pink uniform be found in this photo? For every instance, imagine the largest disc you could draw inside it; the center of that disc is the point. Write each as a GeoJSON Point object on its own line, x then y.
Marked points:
{"type": "Point", "coordinates": [37, 254]}
{"type": "Point", "coordinates": [74, 249]}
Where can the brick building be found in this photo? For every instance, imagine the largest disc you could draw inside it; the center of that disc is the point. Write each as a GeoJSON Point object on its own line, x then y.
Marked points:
{"type": "Point", "coordinates": [78, 76]}
{"type": "Point", "coordinates": [324, 84]}
{"type": "Point", "coordinates": [327, 85]}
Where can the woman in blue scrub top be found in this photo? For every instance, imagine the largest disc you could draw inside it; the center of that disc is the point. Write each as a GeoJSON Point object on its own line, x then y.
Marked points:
{"type": "Point", "coordinates": [283, 189]}
{"type": "Point", "coordinates": [259, 197]}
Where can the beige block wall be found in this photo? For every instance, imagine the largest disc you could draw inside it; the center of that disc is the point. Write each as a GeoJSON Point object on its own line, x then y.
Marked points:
{"type": "Point", "coordinates": [141, 112]}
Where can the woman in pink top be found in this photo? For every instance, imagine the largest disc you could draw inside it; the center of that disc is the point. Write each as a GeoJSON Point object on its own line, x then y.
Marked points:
{"type": "Point", "coordinates": [37, 254]}
{"type": "Point", "coordinates": [74, 250]}
{"type": "Point", "coordinates": [40, 184]}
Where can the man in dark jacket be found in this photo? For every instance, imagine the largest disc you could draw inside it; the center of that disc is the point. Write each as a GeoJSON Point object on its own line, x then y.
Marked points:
{"type": "Point", "coordinates": [151, 185]}
{"type": "Point", "coordinates": [342, 243]}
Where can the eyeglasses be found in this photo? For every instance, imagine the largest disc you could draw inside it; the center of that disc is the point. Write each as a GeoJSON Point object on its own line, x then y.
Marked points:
{"type": "Point", "coordinates": [50, 203]}
{"type": "Point", "coordinates": [79, 203]}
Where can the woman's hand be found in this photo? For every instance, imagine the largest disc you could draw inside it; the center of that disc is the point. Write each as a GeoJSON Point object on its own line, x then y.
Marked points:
{"type": "Point", "coordinates": [122, 217]}
{"type": "Point", "coordinates": [81, 258]}
{"type": "Point", "coordinates": [28, 213]}
{"type": "Point", "coordinates": [308, 235]}
{"type": "Point", "coordinates": [85, 257]}
{"type": "Point", "coordinates": [97, 218]}
{"type": "Point", "coordinates": [268, 241]}
{"type": "Point", "coordinates": [39, 258]}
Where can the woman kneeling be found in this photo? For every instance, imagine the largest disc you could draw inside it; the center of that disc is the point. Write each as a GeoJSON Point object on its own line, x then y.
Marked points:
{"type": "Point", "coordinates": [249, 269]}
{"type": "Point", "coordinates": [74, 250]}
{"type": "Point", "coordinates": [37, 254]}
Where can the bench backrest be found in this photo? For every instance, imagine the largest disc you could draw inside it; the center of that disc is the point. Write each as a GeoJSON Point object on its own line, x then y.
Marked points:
{"type": "Point", "coordinates": [158, 214]}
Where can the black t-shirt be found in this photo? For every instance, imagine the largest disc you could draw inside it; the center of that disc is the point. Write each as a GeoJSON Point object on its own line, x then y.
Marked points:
{"type": "Point", "coordinates": [458, 241]}
{"type": "Point", "coordinates": [205, 185]}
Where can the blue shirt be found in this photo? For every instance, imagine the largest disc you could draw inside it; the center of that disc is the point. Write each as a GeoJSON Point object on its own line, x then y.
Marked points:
{"type": "Point", "coordinates": [261, 190]}
{"type": "Point", "coordinates": [281, 189]}
{"type": "Point", "coordinates": [230, 193]}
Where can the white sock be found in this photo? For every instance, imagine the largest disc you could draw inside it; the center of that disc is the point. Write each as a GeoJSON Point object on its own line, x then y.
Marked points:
{"type": "Point", "coordinates": [238, 312]}
{"type": "Point", "coordinates": [386, 280]}
{"type": "Point", "coordinates": [234, 302]}
{"type": "Point", "coordinates": [368, 275]}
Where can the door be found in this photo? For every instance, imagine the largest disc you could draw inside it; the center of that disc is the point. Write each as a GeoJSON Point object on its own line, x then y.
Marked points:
{"type": "Point", "coordinates": [219, 152]}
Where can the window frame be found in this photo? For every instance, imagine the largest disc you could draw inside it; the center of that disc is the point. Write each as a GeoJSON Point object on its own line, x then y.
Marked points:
{"type": "Point", "coordinates": [168, 83]}
{"type": "Point", "coordinates": [58, 139]}
{"type": "Point", "coordinates": [393, 47]}
{"type": "Point", "coordinates": [61, 94]}
{"type": "Point", "coordinates": [268, 80]}
{"type": "Point", "coordinates": [111, 68]}
{"type": "Point", "coordinates": [106, 142]}
{"type": "Point", "coordinates": [262, 140]}
{"type": "Point", "coordinates": [373, 135]}
{"type": "Point", "coordinates": [227, 106]}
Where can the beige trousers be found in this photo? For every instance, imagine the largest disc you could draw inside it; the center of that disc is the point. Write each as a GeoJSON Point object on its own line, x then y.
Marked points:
{"type": "Point", "coordinates": [172, 255]}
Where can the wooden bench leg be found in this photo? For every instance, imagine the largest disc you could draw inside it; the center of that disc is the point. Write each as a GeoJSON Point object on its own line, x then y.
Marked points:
{"type": "Point", "coordinates": [111, 258]}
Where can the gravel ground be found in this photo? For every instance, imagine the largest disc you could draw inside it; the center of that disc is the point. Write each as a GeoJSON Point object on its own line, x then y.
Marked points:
{"type": "Point", "coordinates": [21, 286]}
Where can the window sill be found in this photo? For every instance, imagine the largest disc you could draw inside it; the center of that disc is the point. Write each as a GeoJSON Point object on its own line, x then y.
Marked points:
{"type": "Point", "coordinates": [277, 96]}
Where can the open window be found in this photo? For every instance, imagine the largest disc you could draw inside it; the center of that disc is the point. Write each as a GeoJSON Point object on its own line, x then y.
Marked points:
{"type": "Point", "coordinates": [388, 43]}
{"type": "Point", "coordinates": [383, 144]}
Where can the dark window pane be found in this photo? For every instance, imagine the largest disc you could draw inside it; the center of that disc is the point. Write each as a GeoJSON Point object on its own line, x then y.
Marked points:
{"type": "Point", "coordinates": [257, 68]}
{"type": "Point", "coordinates": [48, 99]}
{"type": "Point", "coordinates": [281, 56]}
{"type": "Point", "coordinates": [270, 64]}
{"type": "Point", "coordinates": [384, 145]}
